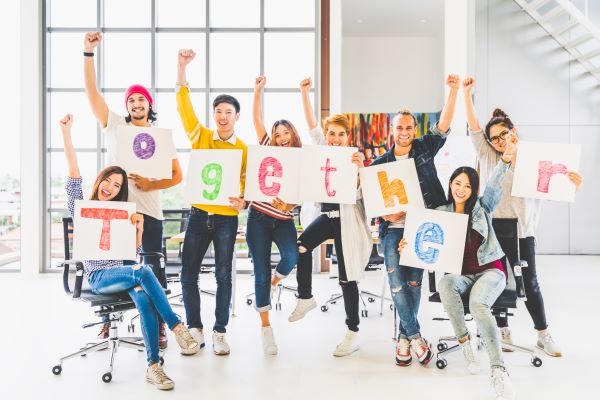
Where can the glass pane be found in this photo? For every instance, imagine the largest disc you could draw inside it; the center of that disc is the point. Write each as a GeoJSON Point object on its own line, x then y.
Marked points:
{"type": "Point", "coordinates": [73, 13]}
{"type": "Point", "coordinates": [84, 125]}
{"type": "Point", "coordinates": [57, 252]}
{"type": "Point", "coordinates": [172, 198]}
{"type": "Point", "coordinates": [66, 61]}
{"type": "Point", "coordinates": [234, 59]}
{"type": "Point", "coordinates": [127, 59]}
{"type": "Point", "coordinates": [116, 102]}
{"type": "Point", "coordinates": [168, 117]}
{"type": "Point", "coordinates": [168, 45]}
{"type": "Point", "coordinates": [127, 14]}
{"type": "Point", "coordinates": [286, 106]}
{"type": "Point", "coordinates": [59, 172]}
{"type": "Point", "coordinates": [235, 13]}
{"type": "Point", "coordinates": [290, 13]}
{"type": "Point", "coordinates": [289, 58]}
{"type": "Point", "coordinates": [244, 128]}
{"type": "Point", "coordinates": [170, 15]}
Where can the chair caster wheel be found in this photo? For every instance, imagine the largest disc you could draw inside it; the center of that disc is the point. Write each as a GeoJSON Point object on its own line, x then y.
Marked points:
{"type": "Point", "coordinates": [442, 346]}
{"type": "Point", "coordinates": [278, 306]}
{"type": "Point", "coordinates": [371, 300]}
{"type": "Point", "coordinates": [392, 307]}
{"type": "Point", "coordinates": [441, 363]}
{"type": "Point", "coordinates": [56, 370]}
{"type": "Point", "coordinates": [536, 361]}
{"type": "Point", "coordinates": [249, 302]}
{"type": "Point", "coordinates": [131, 328]}
{"type": "Point", "coordinates": [107, 377]}
{"type": "Point", "coordinates": [364, 313]}
{"type": "Point", "coordinates": [324, 308]}
{"type": "Point", "coordinates": [161, 361]}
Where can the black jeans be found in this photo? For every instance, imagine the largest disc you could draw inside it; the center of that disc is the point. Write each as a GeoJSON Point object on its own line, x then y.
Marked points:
{"type": "Point", "coordinates": [535, 301]}
{"type": "Point", "coordinates": [320, 230]}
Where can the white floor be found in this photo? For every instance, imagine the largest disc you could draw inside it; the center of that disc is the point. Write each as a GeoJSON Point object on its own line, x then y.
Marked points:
{"type": "Point", "coordinates": [41, 323]}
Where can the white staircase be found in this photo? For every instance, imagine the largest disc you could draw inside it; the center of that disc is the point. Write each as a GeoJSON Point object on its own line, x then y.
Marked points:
{"type": "Point", "coordinates": [570, 28]}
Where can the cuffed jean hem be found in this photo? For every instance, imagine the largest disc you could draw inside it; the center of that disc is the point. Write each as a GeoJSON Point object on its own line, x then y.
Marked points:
{"type": "Point", "coordinates": [263, 308]}
{"type": "Point", "coordinates": [280, 275]}
{"type": "Point", "coordinates": [411, 337]}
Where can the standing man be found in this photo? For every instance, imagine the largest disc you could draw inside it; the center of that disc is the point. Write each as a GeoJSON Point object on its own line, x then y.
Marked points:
{"type": "Point", "coordinates": [209, 223]}
{"type": "Point", "coordinates": [405, 282]}
{"type": "Point", "coordinates": [144, 192]}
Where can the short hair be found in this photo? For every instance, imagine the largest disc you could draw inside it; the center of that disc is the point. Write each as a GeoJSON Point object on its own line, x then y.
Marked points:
{"type": "Point", "coordinates": [337, 119]}
{"type": "Point", "coordinates": [402, 113]}
{"type": "Point", "coordinates": [225, 98]}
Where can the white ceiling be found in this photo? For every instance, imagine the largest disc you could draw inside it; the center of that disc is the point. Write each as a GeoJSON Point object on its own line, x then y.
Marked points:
{"type": "Point", "coordinates": [392, 18]}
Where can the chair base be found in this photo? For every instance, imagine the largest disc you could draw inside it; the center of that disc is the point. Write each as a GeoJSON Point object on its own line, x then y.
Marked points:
{"type": "Point", "coordinates": [280, 288]}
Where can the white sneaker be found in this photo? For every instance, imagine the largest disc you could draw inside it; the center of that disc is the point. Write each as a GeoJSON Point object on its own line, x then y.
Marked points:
{"type": "Point", "coordinates": [156, 376]}
{"type": "Point", "coordinates": [302, 307]}
{"type": "Point", "coordinates": [220, 346]}
{"type": "Point", "coordinates": [502, 384]}
{"type": "Point", "coordinates": [199, 336]}
{"type": "Point", "coordinates": [348, 346]}
{"type": "Point", "coordinates": [268, 341]}
{"type": "Point", "coordinates": [471, 356]}
{"type": "Point", "coordinates": [188, 344]}
{"type": "Point", "coordinates": [546, 343]}
{"type": "Point", "coordinates": [506, 338]}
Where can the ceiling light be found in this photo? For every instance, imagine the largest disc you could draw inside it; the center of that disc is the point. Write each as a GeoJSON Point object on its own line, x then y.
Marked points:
{"type": "Point", "coordinates": [359, 21]}
{"type": "Point", "coordinates": [422, 20]}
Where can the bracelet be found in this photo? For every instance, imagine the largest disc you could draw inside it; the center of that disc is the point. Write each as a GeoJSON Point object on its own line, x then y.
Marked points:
{"type": "Point", "coordinates": [86, 54]}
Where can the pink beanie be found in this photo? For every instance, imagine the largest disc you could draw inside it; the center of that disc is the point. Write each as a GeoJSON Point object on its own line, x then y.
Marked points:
{"type": "Point", "coordinates": [138, 89]}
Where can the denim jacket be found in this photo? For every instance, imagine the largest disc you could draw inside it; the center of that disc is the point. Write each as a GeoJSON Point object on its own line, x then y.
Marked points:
{"type": "Point", "coordinates": [423, 151]}
{"type": "Point", "coordinates": [481, 221]}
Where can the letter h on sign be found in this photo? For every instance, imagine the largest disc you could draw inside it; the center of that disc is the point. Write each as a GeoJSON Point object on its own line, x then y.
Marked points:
{"type": "Point", "coordinates": [389, 190]}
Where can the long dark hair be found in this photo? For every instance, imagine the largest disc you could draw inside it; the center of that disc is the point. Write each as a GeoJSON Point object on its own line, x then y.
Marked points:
{"type": "Point", "coordinates": [471, 201]}
{"type": "Point", "coordinates": [296, 141]}
{"type": "Point", "coordinates": [123, 194]}
{"type": "Point", "coordinates": [499, 117]}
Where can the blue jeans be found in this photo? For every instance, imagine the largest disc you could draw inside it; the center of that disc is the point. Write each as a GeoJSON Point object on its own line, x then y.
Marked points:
{"type": "Point", "coordinates": [405, 285]}
{"type": "Point", "coordinates": [149, 301]}
{"type": "Point", "coordinates": [152, 242]}
{"type": "Point", "coordinates": [201, 230]}
{"type": "Point", "coordinates": [484, 287]}
{"type": "Point", "coordinates": [262, 231]}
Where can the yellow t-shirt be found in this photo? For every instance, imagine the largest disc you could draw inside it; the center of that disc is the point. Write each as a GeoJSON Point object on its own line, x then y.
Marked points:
{"type": "Point", "coordinates": [202, 138]}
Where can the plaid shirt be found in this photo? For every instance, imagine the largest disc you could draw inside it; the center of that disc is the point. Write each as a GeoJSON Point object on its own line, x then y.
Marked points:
{"type": "Point", "coordinates": [74, 192]}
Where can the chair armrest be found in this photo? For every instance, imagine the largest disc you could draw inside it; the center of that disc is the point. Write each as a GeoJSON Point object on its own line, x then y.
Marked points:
{"type": "Point", "coordinates": [432, 288]}
{"type": "Point", "coordinates": [152, 254]}
{"type": "Point", "coordinates": [76, 292]}
{"type": "Point", "coordinates": [519, 279]}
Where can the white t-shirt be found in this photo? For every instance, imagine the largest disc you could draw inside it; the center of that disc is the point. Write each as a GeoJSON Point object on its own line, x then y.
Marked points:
{"type": "Point", "coordinates": [146, 202]}
{"type": "Point", "coordinates": [401, 223]}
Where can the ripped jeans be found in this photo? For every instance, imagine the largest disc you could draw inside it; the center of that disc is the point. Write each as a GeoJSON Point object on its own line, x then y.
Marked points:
{"type": "Point", "coordinates": [405, 285]}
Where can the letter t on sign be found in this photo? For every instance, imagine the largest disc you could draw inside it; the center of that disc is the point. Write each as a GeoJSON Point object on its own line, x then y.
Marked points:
{"type": "Point", "coordinates": [106, 215]}
{"type": "Point", "coordinates": [327, 168]}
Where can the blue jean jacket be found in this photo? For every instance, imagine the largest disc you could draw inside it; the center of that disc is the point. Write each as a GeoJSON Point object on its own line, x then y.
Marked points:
{"type": "Point", "coordinates": [481, 221]}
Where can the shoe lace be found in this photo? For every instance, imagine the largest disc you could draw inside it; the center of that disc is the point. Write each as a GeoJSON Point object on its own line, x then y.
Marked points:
{"type": "Point", "coordinates": [403, 346]}
{"type": "Point", "coordinates": [505, 334]}
{"type": "Point", "coordinates": [548, 339]}
{"type": "Point", "coordinates": [158, 374]}
{"type": "Point", "coordinates": [498, 381]}
{"type": "Point", "coordinates": [220, 338]}
{"type": "Point", "coordinates": [187, 338]}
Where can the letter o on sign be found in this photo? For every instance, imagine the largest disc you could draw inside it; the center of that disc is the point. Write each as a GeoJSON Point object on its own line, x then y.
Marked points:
{"type": "Point", "coordinates": [144, 146]}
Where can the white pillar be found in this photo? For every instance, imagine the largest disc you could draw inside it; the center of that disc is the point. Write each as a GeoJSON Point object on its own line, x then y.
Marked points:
{"type": "Point", "coordinates": [335, 56]}
{"type": "Point", "coordinates": [32, 177]}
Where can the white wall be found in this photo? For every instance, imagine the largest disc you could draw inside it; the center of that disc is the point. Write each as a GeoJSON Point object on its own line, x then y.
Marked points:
{"type": "Point", "coordinates": [521, 69]}
{"type": "Point", "coordinates": [385, 74]}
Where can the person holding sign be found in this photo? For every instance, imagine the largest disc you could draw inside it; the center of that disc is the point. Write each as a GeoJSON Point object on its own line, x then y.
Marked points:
{"type": "Point", "coordinates": [405, 282]}
{"type": "Point", "coordinates": [209, 223]}
{"type": "Point", "coordinates": [344, 223]}
{"type": "Point", "coordinates": [270, 223]}
{"type": "Point", "coordinates": [112, 276]}
{"type": "Point", "coordinates": [483, 275]}
{"type": "Point", "coordinates": [145, 193]}
{"type": "Point", "coordinates": [490, 145]}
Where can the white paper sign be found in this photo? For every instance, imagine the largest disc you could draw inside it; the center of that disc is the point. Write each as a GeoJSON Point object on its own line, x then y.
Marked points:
{"type": "Point", "coordinates": [541, 171]}
{"type": "Point", "coordinates": [328, 174]}
{"type": "Point", "coordinates": [213, 176]}
{"type": "Point", "coordinates": [390, 188]}
{"type": "Point", "coordinates": [147, 152]}
{"type": "Point", "coordinates": [103, 230]}
{"type": "Point", "coordinates": [273, 171]}
{"type": "Point", "coordinates": [457, 152]}
{"type": "Point", "coordinates": [435, 240]}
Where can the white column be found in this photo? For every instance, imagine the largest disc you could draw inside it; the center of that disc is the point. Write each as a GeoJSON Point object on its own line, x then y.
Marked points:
{"type": "Point", "coordinates": [459, 41]}
{"type": "Point", "coordinates": [335, 56]}
{"type": "Point", "coordinates": [32, 177]}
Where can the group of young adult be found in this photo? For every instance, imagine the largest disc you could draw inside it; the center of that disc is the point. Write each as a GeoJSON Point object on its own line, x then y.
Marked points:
{"type": "Point", "coordinates": [483, 273]}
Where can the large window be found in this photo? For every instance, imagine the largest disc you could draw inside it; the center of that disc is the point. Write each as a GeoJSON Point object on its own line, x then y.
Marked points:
{"type": "Point", "coordinates": [236, 40]}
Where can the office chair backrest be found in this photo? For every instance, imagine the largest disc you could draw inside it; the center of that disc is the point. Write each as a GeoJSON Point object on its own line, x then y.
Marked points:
{"type": "Point", "coordinates": [508, 236]}
{"type": "Point", "coordinates": [68, 237]}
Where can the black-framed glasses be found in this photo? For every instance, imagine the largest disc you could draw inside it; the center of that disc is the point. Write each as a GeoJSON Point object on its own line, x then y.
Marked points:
{"type": "Point", "coordinates": [496, 139]}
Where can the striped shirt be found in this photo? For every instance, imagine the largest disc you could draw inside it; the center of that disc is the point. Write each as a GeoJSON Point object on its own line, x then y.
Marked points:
{"type": "Point", "coordinates": [267, 208]}
{"type": "Point", "coordinates": [75, 192]}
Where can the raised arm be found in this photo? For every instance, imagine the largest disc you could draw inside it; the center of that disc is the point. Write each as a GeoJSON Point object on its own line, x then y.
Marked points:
{"type": "Point", "coordinates": [468, 85]}
{"type": "Point", "coordinates": [309, 114]}
{"type": "Point", "coordinates": [493, 189]}
{"type": "Point", "coordinates": [65, 126]}
{"type": "Point", "coordinates": [99, 107]}
{"type": "Point", "coordinates": [259, 125]}
{"type": "Point", "coordinates": [453, 81]}
{"type": "Point", "coordinates": [184, 103]}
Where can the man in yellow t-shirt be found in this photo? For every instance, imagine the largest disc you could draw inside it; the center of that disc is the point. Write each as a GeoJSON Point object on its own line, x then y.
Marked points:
{"type": "Point", "coordinates": [209, 223]}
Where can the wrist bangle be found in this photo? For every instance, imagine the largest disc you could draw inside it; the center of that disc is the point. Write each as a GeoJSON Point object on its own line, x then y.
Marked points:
{"type": "Point", "coordinates": [88, 54]}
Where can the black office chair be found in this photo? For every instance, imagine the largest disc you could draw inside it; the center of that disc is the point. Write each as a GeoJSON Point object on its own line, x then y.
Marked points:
{"type": "Point", "coordinates": [111, 305]}
{"type": "Point", "coordinates": [507, 234]}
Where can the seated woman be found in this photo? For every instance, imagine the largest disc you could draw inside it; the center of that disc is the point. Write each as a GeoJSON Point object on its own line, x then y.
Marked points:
{"type": "Point", "coordinates": [483, 273]}
{"type": "Point", "coordinates": [112, 276]}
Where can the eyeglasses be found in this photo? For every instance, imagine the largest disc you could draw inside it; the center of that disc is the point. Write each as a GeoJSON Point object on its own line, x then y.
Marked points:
{"type": "Point", "coordinates": [496, 139]}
